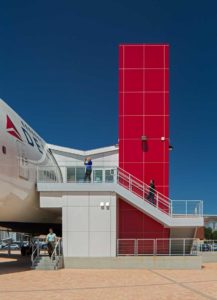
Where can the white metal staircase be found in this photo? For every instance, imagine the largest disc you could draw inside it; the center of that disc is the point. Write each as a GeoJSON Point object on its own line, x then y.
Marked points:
{"type": "Point", "coordinates": [44, 262]}
{"type": "Point", "coordinates": [161, 208]}
{"type": "Point", "coordinates": [170, 213]}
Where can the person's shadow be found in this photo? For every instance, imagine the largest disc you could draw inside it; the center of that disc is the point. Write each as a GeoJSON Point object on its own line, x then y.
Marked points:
{"type": "Point", "coordinates": [14, 263]}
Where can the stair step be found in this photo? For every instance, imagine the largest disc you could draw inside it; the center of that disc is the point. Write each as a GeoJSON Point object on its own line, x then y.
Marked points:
{"type": "Point", "coordinates": [45, 263]}
{"type": "Point", "coordinates": [42, 268]}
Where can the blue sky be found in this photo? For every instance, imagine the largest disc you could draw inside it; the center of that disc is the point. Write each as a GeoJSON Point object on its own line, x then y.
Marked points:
{"type": "Point", "coordinates": [59, 63]}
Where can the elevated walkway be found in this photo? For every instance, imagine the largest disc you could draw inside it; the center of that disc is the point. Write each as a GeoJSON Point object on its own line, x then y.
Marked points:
{"type": "Point", "coordinates": [170, 213]}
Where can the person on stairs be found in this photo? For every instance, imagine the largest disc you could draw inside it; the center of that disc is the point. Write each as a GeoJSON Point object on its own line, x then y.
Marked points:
{"type": "Point", "coordinates": [151, 194]}
{"type": "Point", "coordinates": [51, 241]}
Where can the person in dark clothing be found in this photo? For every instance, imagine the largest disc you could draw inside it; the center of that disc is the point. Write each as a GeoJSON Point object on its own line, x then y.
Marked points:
{"type": "Point", "coordinates": [51, 241]}
{"type": "Point", "coordinates": [88, 171]}
{"type": "Point", "coordinates": [151, 194]}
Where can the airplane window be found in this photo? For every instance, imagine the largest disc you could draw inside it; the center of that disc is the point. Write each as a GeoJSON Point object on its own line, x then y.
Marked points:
{"type": "Point", "coordinates": [4, 150]}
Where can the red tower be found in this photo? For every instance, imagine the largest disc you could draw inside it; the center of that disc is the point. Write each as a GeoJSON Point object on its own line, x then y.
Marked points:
{"type": "Point", "coordinates": [143, 129]}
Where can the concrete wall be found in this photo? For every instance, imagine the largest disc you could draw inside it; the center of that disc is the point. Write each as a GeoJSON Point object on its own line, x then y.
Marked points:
{"type": "Point", "coordinates": [89, 222]}
{"type": "Point", "coordinates": [130, 262]}
{"type": "Point", "coordinates": [209, 257]}
{"type": "Point", "coordinates": [89, 229]}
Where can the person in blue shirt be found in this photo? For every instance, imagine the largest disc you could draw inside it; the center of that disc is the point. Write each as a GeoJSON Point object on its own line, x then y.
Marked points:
{"type": "Point", "coordinates": [88, 171]}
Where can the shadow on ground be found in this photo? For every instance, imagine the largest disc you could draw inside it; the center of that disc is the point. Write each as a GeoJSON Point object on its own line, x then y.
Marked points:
{"type": "Point", "coordinates": [18, 264]}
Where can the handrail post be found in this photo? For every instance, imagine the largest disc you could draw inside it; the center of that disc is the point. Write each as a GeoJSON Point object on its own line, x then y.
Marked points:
{"type": "Point", "coordinates": [130, 183]}
{"type": "Point", "coordinates": [157, 199]}
{"type": "Point", "coordinates": [155, 247]}
{"type": "Point", "coordinates": [136, 247]}
{"type": "Point", "coordinates": [183, 247]}
{"type": "Point", "coordinates": [115, 175]}
{"type": "Point", "coordinates": [186, 207]}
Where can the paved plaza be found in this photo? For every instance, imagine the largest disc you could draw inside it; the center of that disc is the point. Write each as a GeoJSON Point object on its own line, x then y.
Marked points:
{"type": "Point", "coordinates": [17, 281]}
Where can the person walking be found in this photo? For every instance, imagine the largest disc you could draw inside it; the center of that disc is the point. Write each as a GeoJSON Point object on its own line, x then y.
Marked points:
{"type": "Point", "coordinates": [88, 164]}
{"type": "Point", "coordinates": [51, 240]}
{"type": "Point", "coordinates": [151, 194]}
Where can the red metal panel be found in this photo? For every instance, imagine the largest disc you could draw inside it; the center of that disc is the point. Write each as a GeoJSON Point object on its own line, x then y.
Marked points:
{"type": "Point", "coordinates": [129, 104]}
{"type": "Point", "coordinates": [154, 104]}
{"type": "Point", "coordinates": [154, 56]}
{"type": "Point", "coordinates": [133, 126]}
{"type": "Point", "coordinates": [132, 57]}
{"type": "Point", "coordinates": [135, 224]}
{"type": "Point", "coordinates": [154, 127]}
{"type": "Point", "coordinates": [156, 171]}
{"type": "Point", "coordinates": [143, 111]}
{"type": "Point", "coordinates": [154, 80]}
{"type": "Point", "coordinates": [133, 153]}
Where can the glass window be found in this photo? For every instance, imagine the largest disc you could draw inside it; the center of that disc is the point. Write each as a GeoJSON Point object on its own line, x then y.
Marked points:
{"type": "Point", "coordinates": [80, 173]}
{"type": "Point", "coordinates": [70, 174]}
{"type": "Point", "coordinates": [109, 175]}
{"type": "Point", "coordinates": [97, 175]}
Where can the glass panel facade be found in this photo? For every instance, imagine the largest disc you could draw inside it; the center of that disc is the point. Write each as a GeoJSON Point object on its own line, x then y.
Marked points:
{"type": "Point", "coordinates": [71, 174]}
{"type": "Point", "coordinates": [77, 174]}
{"type": "Point", "coordinates": [97, 175]}
{"type": "Point", "coordinates": [80, 173]}
{"type": "Point", "coordinates": [109, 175]}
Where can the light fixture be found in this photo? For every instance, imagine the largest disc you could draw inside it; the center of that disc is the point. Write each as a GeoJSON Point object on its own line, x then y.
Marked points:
{"type": "Point", "coordinates": [102, 204]}
{"type": "Point", "coordinates": [171, 148]}
{"type": "Point", "coordinates": [163, 138]}
{"type": "Point", "coordinates": [144, 138]}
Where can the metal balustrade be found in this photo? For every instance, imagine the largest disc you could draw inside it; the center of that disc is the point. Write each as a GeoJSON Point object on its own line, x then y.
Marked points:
{"type": "Point", "coordinates": [157, 247]}
{"type": "Point", "coordinates": [114, 175]}
{"type": "Point", "coordinates": [56, 256]}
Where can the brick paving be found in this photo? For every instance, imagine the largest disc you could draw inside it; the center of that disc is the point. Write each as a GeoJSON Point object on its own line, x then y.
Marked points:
{"type": "Point", "coordinates": [18, 282]}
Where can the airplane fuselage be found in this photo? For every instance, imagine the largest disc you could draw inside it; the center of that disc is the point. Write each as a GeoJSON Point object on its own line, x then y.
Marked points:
{"type": "Point", "coordinates": [22, 150]}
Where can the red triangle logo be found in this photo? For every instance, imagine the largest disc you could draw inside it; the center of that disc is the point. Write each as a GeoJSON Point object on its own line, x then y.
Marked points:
{"type": "Point", "coordinates": [12, 129]}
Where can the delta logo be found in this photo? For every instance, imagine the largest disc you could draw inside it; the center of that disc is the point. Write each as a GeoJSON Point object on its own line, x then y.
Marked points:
{"type": "Point", "coordinates": [31, 140]}
{"type": "Point", "coordinates": [12, 130]}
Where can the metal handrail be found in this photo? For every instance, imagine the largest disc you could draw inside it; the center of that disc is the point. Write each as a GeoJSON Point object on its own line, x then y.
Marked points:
{"type": "Point", "coordinates": [57, 253]}
{"type": "Point", "coordinates": [134, 182]}
{"type": "Point", "coordinates": [35, 251]}
{"type": "Point", "coordinates": [158, 247]}
{"type": "Point", "coordinates": [161, 202]}
{"type": "Point", "coordinates": [141, 182]}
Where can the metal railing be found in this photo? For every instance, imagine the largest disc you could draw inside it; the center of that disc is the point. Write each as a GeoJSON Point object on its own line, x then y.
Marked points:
{"type": "Point", "coordinates": [35, 252]}
{"type": "Point", "coordinates": [76, 174]}
{"type": "Point", "coordinates": [142, 190]}
{"type": "Point", "coordinates": [57, 254]}
{"type": "Point", "coordinates": [160, 201]}
{"type": "Point", "coordinates": [111, 174]}
{"type": "Point", "coordinates": [157, 247]}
